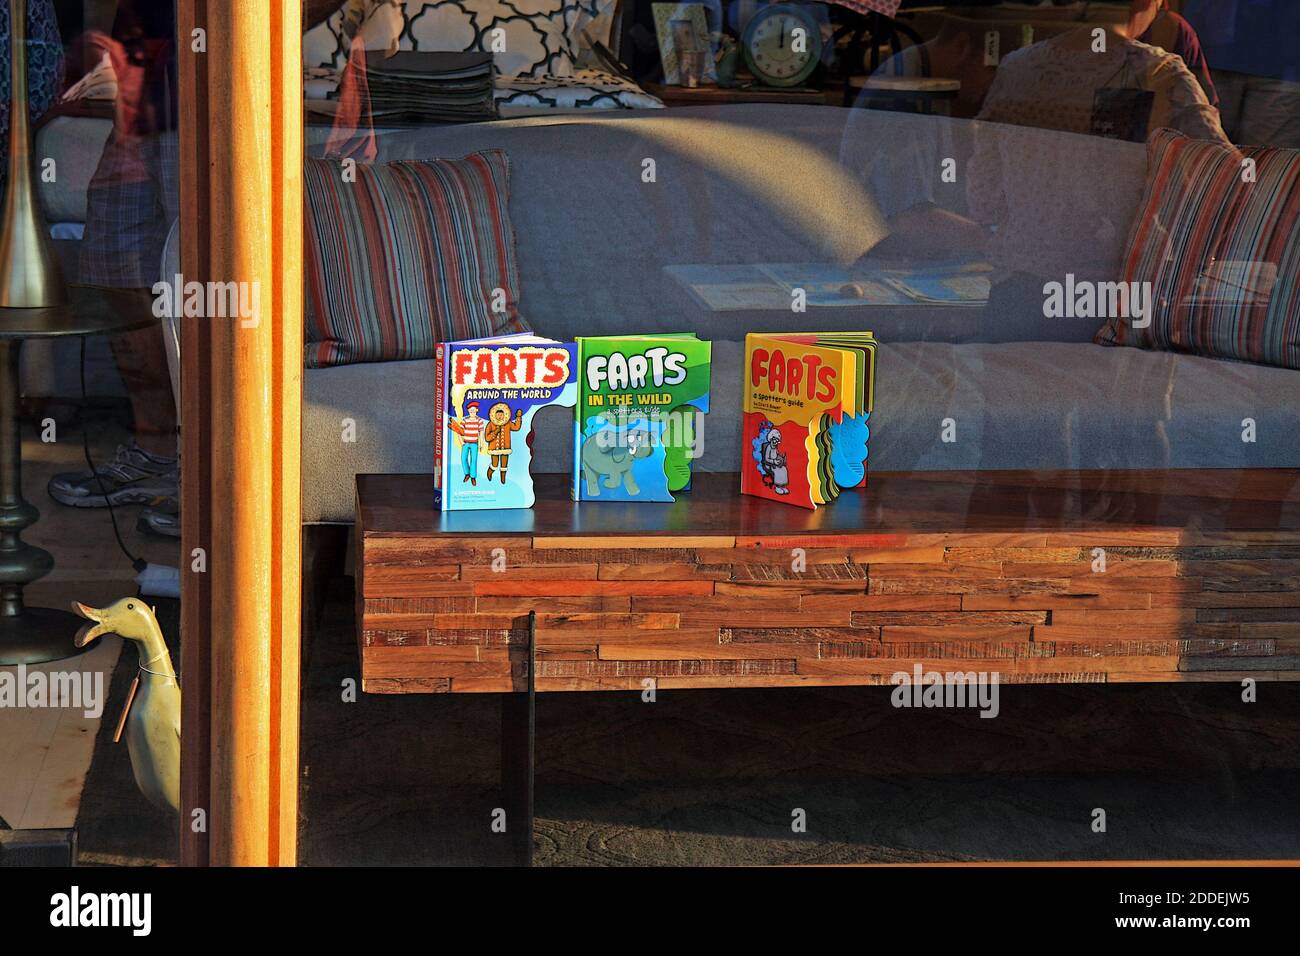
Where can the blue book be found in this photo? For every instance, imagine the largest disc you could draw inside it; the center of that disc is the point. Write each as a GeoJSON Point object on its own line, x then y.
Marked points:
{"type": "Point", "coordinates": [487, 394]}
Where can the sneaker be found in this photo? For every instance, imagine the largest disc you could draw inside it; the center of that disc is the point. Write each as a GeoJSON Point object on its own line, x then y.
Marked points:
{"type": "Point", "coordinates": [133, 477]}
{"type": "Point", "coordinates": [162, 517]}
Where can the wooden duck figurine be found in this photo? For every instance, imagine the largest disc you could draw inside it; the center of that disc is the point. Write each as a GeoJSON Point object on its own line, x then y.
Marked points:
{"type": "Point", "coordinates": [153, 715]}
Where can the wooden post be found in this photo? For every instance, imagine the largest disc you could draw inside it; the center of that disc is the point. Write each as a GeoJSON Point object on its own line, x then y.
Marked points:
{"type": "Point", "coordinates": [241, 189]}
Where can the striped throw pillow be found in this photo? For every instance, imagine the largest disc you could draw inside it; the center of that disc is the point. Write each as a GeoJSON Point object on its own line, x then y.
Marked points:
{"type": "Point", "coordinates": [409, 254]}
{"type": "Point", "coordinates": [1217, 235]}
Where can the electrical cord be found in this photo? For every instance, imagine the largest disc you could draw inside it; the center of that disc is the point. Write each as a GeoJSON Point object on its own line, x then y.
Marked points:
{"type": "Point", "coordinates": [139, 564]}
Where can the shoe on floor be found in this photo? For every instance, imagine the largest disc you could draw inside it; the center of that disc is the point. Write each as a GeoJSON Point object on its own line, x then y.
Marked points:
{"type": "Point", "coordinates": [162, 517]}
{"type": "Point", "coordinates": [132, 477]}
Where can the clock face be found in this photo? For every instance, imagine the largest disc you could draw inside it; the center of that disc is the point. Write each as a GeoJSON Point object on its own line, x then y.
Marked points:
{"type": "Point", "coordinates": [782, 45]}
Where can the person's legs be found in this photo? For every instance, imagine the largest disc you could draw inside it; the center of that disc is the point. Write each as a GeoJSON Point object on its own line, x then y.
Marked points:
{"type": "Point", "coordinates": [142, 362]}
{"type": "Point", "coordinates": [130, 207]}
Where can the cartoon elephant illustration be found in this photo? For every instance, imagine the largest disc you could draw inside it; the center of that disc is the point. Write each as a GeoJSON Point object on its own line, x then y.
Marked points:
{"type": "Point", "coordinates": [605, 456]}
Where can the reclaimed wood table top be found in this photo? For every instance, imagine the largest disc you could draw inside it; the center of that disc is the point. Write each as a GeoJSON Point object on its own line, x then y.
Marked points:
{"type": "Point", "coordinates": [1035, 577]}
{"type": "Point", "coordinates": [1255, 500]}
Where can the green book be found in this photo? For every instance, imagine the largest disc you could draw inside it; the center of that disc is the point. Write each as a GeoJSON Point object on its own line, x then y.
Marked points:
{"type": "Point", "coordinates": [640, 415]}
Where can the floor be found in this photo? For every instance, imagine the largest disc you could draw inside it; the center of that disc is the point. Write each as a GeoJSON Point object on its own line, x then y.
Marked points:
{"type": "Point", "coordinates": [1181, 771]}
{"type": "Point", "coordinates": [705, 777]}
{"type": "Point", "coordinates": [46, 752]}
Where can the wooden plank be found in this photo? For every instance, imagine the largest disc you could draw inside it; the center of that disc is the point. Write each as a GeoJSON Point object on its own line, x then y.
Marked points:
{"type": "Point", "coordinates": [775, 573]}
{"type": "Point", "coordinates": [633, 542]}
{"type": "Point", "coordinates": [999, 666]}
{"type": "Point", "coordinates": [563, 604]}
{"type": "Point", "coordinates": [938, 650]}
{"type": "Point", "coordinates": [721, 606]}
{"type": "Point", "coordinates": [1095, 618]}
{"type": "Point", "coordinates": [661, 668]}
{"type": "Point", "coordinates": [1289, 599]}
{"type": "Point", "coordinates": [423, 654]}
{"type": "Point", "coordinates": [1136, 632]}
{"type": "Point", "coordinates": [953, 632]}
{"type": "Point", "coordinates": [530, 572]}
{"type": "Point", "coordinates": [972, 569]}
{"type": "Point", "coordinates": [407, 685]}
{"type": "Point", "coordinates": [944, 618]}
{"type": "Point", "coordinates": [773, 556]}
{"type": "Point", "coordinates": [1113, 600]}
{"type": "Point", "coordinates": [797, 634]}
{"type": "Point", "coordinates": [1251, 584]}
{"type": "Point", "coordinates": [790, 542]}
{"type": "Point", "coordinates": [410, 582]}
{"type": "Point", "coordinates": [658, 589]}
{"type": "Point", "coordinates": [1149, 537]}
{"type": "Point", "coordinates": [806, 586]}
{"type": "Point", "coordinates": [889, 602]}
{"type": "Point", "coordinates": [898, 556]}
{"type": "Point", "coordinates": [702, 650]}
{"type": "Point", "coordinates": [663, 572]}
{"type": "Point", "coordinates": [1114, 569]}
{"type": "Point", "coordinates": [962, 586]}
{"type": "Point", "coordinates": [1182, 677]}
{"type": "Point", "coordinates": [1272, 662]}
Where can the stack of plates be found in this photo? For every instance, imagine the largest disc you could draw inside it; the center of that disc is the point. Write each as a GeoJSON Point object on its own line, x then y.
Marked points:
{"type": "Point", "coordinates": [429, 87]}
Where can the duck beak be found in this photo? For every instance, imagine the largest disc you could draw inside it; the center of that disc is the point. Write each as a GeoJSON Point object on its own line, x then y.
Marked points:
{"type": "Point", "coordinates": [90, 631]}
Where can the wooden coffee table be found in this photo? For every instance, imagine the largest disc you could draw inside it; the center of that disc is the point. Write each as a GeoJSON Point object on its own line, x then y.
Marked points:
{"type": "Point", "coordinates": [972, 571]}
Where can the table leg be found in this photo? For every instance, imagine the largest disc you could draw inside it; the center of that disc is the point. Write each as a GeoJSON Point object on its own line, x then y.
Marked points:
{"type": "Point", "coordinates": [28, 635]}
{"type": "Point", "coordinates": [518, 753]}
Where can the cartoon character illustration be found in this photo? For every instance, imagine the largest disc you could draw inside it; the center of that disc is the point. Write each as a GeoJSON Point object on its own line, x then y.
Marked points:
{"type": "Point", "coordinates": [470, 429]}
{"type": "Point", "coordinates": [497, 436]}
{"type": "Point", "coordinates": [604, 456]}
{"type": "Point", "coordinates": [770, 458]}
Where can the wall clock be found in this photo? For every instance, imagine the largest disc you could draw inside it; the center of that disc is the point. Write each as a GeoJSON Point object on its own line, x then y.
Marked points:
{"type": "Point", "coordinates": [782, 45]}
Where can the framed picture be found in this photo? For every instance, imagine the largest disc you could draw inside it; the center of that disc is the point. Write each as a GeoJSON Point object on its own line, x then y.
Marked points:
{"type": "Point", "coordinates": [682, 28]}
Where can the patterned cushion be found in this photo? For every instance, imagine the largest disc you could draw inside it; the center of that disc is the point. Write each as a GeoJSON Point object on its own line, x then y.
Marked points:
{"type": "Point", "coordinates": [408, 255]}
{"type": "Point", "coordinates": [532, 33]}
{"type": "Point", "coordinates": [1222, 253]}
{"type": "Point", "coordinates": [585, 90]}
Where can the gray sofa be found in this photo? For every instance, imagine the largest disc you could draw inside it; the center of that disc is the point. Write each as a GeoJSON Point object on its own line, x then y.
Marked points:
{"type": "Point", "coordinates": [769, 183]}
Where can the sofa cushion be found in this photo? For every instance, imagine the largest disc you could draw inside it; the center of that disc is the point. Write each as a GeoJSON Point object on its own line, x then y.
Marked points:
{"type": "Point", "coordinates": [1014, 405]}
{"type": "Point", "coordinates": [525, 37]}
{"type": "Point", "coordinates": [407, 255]}
{"type": "Point", "coordinates": [1221, 251]}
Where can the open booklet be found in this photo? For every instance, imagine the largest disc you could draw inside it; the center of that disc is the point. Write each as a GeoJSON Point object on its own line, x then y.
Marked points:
{"type": "Point", "coordinates": [955, 283]}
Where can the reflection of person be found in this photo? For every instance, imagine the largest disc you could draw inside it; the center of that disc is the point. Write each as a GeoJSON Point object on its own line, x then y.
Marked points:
{"type": "Point", "coordinates": [497, 436]}
{"type": "Point", "coordinates": [131, 203]}
{"type": "Point", "coordinates": [470, 429]}
{"type": "Point", "coordinates": [1054, 84]}
{"type": "Point", "coordinates": [954, 53]}
{"type": "Point", "coordinates": [1171, 32]}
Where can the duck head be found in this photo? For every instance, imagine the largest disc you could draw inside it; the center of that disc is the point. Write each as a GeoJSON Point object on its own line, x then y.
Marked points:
{"type": "Point", "coordinates": [130, 618]}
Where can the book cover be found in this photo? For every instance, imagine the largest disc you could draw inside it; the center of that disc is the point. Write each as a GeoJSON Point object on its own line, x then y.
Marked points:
{"type": "Point", "coordinates": [807, 402]}
{"type": "Point", "coordinates": [640, 414]}
{"type": "Point", "coordinates": [487, 394]}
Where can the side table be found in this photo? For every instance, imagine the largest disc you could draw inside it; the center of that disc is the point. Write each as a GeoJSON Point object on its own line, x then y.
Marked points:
{"type": "Point", "coordinates": [33, 635]}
